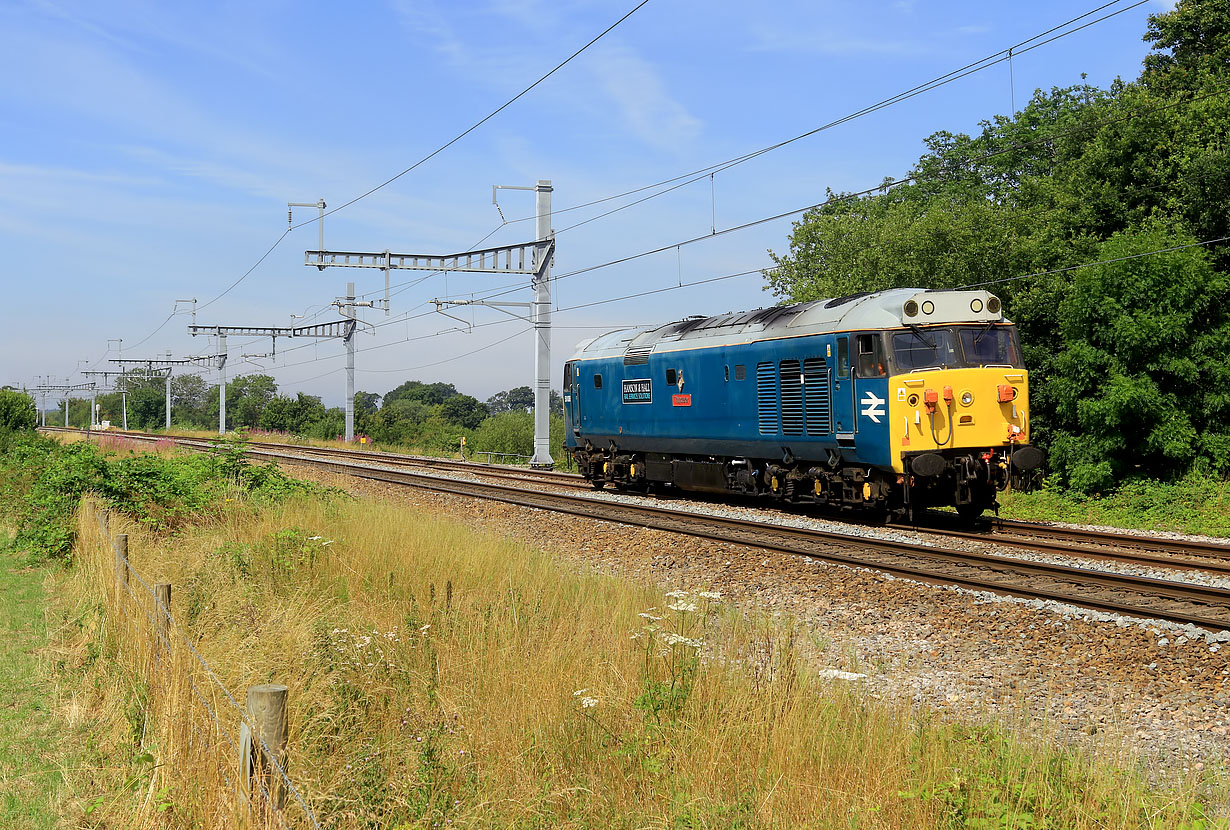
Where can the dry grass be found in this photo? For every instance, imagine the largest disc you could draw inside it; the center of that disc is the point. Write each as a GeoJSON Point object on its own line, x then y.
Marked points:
{"type": "Point", "coordinates": [434, 677]}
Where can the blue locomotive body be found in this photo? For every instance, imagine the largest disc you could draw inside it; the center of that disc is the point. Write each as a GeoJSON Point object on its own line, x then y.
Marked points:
{"type": "Point", "coordinates": [834, 401]}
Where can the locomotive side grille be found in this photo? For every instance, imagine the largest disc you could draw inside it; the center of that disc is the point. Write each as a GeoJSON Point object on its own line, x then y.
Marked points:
{"type": "Point", "coordinates": [816, 396]}
{"type": "Point", "coordinates": [637, 355]}
{"type": "Point", "coordinates": [792, 398]}
{"type": "Point", "coordinates": [766, 397]}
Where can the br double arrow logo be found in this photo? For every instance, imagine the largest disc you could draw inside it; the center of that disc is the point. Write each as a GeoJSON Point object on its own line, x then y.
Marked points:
{"type": "Point", "coordinates": [873, 406]}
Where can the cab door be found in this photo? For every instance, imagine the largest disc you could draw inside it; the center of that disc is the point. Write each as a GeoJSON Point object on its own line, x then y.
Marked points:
{"type": "Point", "coordinates": [845, 423]}
{"type": "Point", "coordinates": [571, 405]}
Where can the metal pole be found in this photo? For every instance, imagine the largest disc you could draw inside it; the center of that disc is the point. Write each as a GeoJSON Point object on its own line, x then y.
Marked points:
{"type": "Point", "coordinates": [222, 386]}
{"type": "Point", "coordinates": [66, 400]}
{"type": "Point", "coordinates": [168, 426]}
{"type": "Point", "coordinates": [93, 407]}
{"type": "Point", "coordinates": [124, 402]}
{"type": "Point", "coordinates": [542, 332]}
{"type": "Point", "coordinates": [350, 312]}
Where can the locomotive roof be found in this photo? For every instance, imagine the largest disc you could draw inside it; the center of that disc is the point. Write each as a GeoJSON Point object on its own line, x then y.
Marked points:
{"type": "Point", "coordinates": [874, 310]}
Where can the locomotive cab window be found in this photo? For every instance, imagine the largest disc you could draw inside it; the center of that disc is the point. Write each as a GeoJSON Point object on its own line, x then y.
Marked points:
{"type": "Point", "coordinates": [567, 377]}
{"type": "Point", "coordinates": [597, 381]}
{"type": "Point", "coordinates": [921, 348]}
{"type": "Point", "coordinates": [843, 357]}
{"type": "Point", "coordinates": [991, 345]}
{"type": "Point", "coordinates": [670, 377]}
{"type": "Point", "coordinates": [870, 356]}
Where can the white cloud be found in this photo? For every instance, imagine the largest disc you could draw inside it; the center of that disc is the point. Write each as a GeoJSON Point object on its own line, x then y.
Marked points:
{"type": "Point", "coordinates": [646, 107]}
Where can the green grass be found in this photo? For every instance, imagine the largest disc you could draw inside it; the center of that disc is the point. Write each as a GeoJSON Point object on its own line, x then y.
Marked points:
{"type": "Point", "coordinates": [1193, 505]}
{"type": "Point", "coordinates": [29, 767]}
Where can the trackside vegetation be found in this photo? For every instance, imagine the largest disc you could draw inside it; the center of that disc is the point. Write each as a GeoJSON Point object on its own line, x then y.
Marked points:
{"type": "Point", "coordinates": [442, 677]}
{"type": "Point", "coordinates": [1128, 371]}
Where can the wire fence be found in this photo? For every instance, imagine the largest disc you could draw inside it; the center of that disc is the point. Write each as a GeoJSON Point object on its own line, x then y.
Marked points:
{"type": "Point", "coordinates": [162, 634]}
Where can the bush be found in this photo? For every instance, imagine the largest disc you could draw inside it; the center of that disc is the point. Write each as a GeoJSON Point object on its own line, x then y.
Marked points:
{"type": "Point", "coordinates": [17, 411]}
{"type": "Point", "coordinates": [45, 480]}
{"type": "Point", "coordinates": [511, 432]}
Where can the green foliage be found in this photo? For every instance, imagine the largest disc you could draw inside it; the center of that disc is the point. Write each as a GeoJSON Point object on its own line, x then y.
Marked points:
{"type": "Point", "coordinates": [17, 411]}
{"type": "Point", "coordinates": [511, 432]}
{"type": "Point", "coordinates": [46, 480]}
{"type": "Point", "coordinates": [1127, 360]}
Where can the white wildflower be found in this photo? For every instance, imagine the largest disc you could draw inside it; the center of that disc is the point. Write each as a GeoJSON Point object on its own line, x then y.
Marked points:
{"type": "Point", "coordinates": [579, 692]}
{"type": "Point", "coordinates": [648, 616]}
{"type": "Point", "coordinates": [589, 702]}
{"type": "Point", "coordinates": [709, 595]}
{"type": "Point", "coordinates": [677, 594]}
{"type": "Point", "coordinates": [315, 538]}
{"type": "Point", "coordinates": [673, 639]}
{"type": "Point", "coordinates": [682, 606]}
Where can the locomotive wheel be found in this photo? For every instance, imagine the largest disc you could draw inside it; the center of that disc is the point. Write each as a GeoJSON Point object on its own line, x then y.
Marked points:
{"type": "Point", "coordinates": [598, 483]}
{"type": "Point", "coordinates": [970, 511]}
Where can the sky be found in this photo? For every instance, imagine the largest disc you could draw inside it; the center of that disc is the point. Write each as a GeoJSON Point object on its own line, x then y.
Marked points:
{"type": "Point", "coordinates": [148, 151]}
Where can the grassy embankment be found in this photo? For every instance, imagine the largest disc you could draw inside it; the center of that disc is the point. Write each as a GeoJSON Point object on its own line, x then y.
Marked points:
{"type": "Point", "coordinates": [1193, 505]}
{"type": "Point", "coordinates": [440, 676]}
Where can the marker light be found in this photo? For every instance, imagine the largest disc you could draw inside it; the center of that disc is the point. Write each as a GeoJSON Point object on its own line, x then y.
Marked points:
{"type": "Point", "coordinates": [928, 307]}
{"type": "Point", "coordinates": [967, 398]}
{"type": "Point", "coordinates": [976, 305]}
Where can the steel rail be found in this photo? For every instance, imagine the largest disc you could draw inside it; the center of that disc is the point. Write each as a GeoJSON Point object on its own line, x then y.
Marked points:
{"type": "Point", "coordinates": [808, 542]}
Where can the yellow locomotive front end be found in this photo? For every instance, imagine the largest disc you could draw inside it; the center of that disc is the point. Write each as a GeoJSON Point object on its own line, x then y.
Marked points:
{"type": "Point", "coordinates": [958, 403]}
{"type": "Point", "coordinates": [954, 410]}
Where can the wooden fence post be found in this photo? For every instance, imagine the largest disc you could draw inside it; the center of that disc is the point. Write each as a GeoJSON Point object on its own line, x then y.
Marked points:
{"type": "Point", "coordinates": [268, 716]}
{"type": "Point", "coordinates": [121, 566]}
{"type": "Point", "coordinates": [163, 593]}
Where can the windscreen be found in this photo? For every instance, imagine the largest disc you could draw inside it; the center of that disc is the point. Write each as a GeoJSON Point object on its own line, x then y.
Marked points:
{"type": "Point", "coordinates": [994, 345]}
{"type": "Point", "coordinates": [921, 348]}
{"type": "Point", "coordinates": [936, 348]}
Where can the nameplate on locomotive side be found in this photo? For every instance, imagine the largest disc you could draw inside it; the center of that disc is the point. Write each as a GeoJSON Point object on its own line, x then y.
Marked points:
{"type": "Point", "coordinates": [638, 391]}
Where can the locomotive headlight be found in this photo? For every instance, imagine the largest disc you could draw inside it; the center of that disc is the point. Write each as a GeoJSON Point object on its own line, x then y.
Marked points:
{"type": "Point", "coordinates": [976, 305]}
{"type": "Point", "coordinates": [911, 309]}
{"type": "Point", "coordinates": [993, 305]}
{"type": "Point", "coordinates": [967, 398]}
{"type": "Point", "coordinates": [928, 307]}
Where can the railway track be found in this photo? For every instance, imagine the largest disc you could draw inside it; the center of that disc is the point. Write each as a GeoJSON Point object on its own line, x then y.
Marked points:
{"type": "Point", "coordinates": [1181, 602]}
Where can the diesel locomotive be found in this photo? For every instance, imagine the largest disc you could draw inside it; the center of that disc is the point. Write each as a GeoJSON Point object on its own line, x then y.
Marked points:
{"type": "Point", "coordinates": [894, 401]}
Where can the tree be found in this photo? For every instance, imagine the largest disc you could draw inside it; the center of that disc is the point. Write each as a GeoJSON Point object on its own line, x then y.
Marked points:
{"type": "Point", "coordinates": [246, 399]}
{"type": "Point", "coordinates": [1191, 39]}
{"type": "Point", "coordinates": [431, 394]}
{"type": "Point", "coordinates": [295, 415]}
{"type": "Point", "coordinates": [517, 399]}
{"type": "Point", "coordinates": [189, 400]}
{"type": "Point", "coordinates": [17, 410]}
{"type": "Point", "coordinates": [1144, 387]}
{"type": "Point", "coordinates": [365, 403]}
{"type": "Point", "coordinates": [464, 410]}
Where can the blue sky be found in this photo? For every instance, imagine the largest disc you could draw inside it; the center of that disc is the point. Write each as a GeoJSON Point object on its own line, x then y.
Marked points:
{"type": "Point", "coordinates": [148, 151]}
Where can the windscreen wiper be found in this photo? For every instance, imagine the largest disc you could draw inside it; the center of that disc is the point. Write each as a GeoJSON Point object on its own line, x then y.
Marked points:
{"type": "Point", "coordinates": [983, 332]}
{"type": "Point", "coordinates": [918, 333]}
